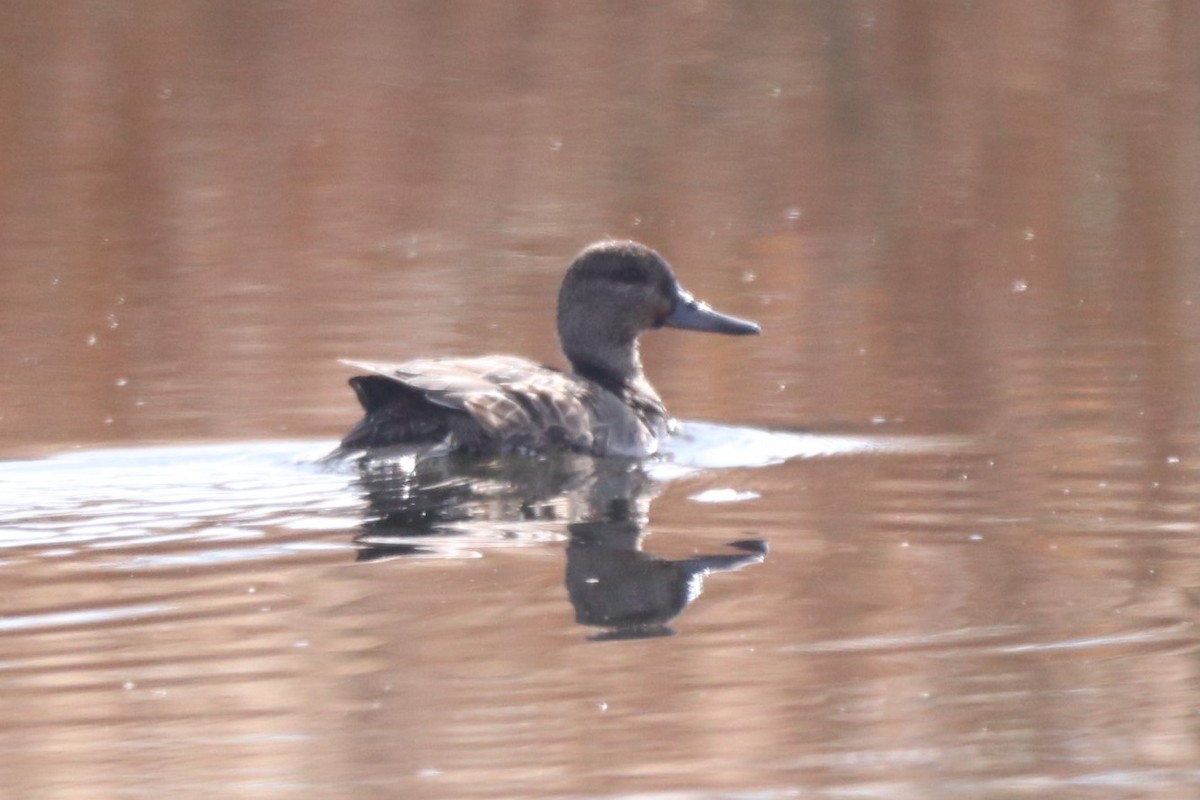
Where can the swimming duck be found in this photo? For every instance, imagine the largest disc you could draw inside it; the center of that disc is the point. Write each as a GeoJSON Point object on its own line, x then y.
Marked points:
{"type": "Point", "coordinates": [603, 405]}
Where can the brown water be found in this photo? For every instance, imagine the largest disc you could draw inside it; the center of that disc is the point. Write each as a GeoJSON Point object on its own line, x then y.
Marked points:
{"type": "Point", "coordinates": [970, 433]}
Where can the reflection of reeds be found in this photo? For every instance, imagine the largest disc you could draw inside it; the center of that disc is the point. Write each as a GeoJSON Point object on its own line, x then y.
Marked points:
{"type": "Point", "coordinates": [871, 192]}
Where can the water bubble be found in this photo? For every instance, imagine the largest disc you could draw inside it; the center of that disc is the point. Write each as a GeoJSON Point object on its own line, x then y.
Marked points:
{"type": "Point", "coordinates": [1019, 286]}
{"type": "Point", "coordinates": [556, 144]}
{"type": "Point", "coordinates": [121, 382]}
{"type": "Point", "coordinates": [91, 340]}
{"type": "Point", "coordinates": [793, 213]}
{"type": "Point", "coordinates": [1028, 234]}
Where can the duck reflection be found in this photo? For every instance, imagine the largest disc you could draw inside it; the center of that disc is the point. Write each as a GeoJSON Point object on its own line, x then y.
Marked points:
{"type": "Point", "coordinates": [439, 506]}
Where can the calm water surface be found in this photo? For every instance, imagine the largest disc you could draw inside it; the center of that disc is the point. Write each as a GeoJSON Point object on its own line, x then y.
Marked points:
{"type": "Point", "coordinates": [935, 534]}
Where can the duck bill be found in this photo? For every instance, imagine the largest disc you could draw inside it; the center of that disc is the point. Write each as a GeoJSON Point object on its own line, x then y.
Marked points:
{"type": "Point", "coordinates": [690, 314]}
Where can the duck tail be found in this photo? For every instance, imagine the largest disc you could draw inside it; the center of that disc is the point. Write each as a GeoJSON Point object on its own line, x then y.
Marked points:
{"type": "Point", "coordinates": [375, 392]}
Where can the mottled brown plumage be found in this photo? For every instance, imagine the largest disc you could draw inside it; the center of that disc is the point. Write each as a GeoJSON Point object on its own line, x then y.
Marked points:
{"type": "Point", "coordinates": [612, 292]}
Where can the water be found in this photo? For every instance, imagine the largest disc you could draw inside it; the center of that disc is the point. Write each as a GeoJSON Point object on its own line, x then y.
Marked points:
{"type": "Point", "coordinates": [918, 625]}
{"type": "Point", "coordinates": [932, 535]}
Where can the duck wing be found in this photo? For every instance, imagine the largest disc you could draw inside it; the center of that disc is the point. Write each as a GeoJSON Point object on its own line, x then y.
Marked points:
{"type": "Point", "coordinates": [509, 402]}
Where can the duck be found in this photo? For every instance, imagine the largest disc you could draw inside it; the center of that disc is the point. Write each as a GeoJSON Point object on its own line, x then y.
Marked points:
{"type": "Point", "coordinates": [603, 405]}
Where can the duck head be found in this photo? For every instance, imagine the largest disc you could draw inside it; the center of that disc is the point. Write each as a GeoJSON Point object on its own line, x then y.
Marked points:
{"type": "Point", "coordinates": [614, 291]}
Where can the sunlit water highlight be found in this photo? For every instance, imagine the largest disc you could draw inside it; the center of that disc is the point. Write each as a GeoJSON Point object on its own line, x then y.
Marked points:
{"type": "Point", "coordinates": [150, 493]}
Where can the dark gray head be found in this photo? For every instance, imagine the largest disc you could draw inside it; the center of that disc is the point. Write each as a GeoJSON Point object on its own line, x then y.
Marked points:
{"type": "Point", "coordinates": [613, 292]}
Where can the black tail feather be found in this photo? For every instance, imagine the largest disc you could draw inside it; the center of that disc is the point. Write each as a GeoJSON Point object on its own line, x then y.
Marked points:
{"type": "Point", "coordinates": [376, 392]}
{"type": "Point", "coordinates": [395, 414]}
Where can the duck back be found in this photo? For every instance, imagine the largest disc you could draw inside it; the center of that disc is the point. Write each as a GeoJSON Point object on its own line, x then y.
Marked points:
{"type": "Point", "coordinates": [499, 404]}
